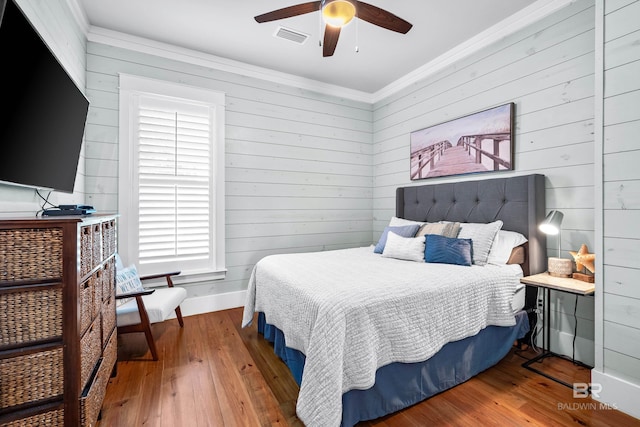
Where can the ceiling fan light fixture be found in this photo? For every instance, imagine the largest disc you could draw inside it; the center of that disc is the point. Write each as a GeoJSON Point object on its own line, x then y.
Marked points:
{"type": "Point", "coordinates": [338, 13]}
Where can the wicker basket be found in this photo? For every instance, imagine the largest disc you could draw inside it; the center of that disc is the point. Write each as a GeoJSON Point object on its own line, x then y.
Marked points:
{"type": "Point", "coordinates": [86, 304]}
{"type": "Point", "coordinates": [108, 279]}
{"type": "Point", "coordinates": [30, 315]}
{"type": "Point", "coordinates": [112, 237]}
{"type": "Point", "coordinates": [30, 254]}
{"type": "Point", "coordinates": [86, 250]}
{"type": "Point", "coordinates": [108, 245]}
{"type": "Point", "coordinates": [97, 292]}
{"type": "Point", "coordinates": [108, 319]}
{"type": "Point", "coordinates": [31, 377]}
{"type": "Point", "coordinates": [110, 352]}
{"type": "Point", "coordinates": [91, 403]}
{"type": "Point", "coordinates": [96, 244]}
{"type": "Point", "coordinates": [91, 345]}
{"type": "Point", "coordinates": [54, 418]}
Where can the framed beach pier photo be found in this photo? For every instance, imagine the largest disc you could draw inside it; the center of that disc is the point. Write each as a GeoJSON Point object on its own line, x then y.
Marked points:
{"type": "Point", "coordinates": [478, 142]}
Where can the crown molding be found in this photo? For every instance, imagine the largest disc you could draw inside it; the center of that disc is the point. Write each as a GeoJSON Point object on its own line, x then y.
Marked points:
{"type": "Point", "coordinates": [521, 19]}
{"type": "Point", "coordinates": [143, 45]}
{"type": "Point", "coordinates": [510, 25]}
{"type": "Point", "coordinates": [79, 14]}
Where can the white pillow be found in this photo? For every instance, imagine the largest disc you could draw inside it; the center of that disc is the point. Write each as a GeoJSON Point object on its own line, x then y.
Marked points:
{"type": "Point", "coordinates": [127, 280]}
{"type": "Point", "coordinates": [502, 246]}
{"type": "Point", "coordinates": [407, 248]}
{"type": "Point", "coordinates": [481, 236]}
{"type": "Point", "coordinates": [397, 222]}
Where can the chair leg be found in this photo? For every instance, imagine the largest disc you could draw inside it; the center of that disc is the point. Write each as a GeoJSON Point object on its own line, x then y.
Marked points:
{"type": "Point", "coordinates": [150, 341]}
{"type": "Point", "coordinates": [146, 327]}
{"type": "Point", "coordinates": [179, 316]}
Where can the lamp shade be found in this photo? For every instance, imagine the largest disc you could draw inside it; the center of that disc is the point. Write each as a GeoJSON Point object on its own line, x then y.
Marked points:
{"type": "Point", "coordinates": [551, 224]}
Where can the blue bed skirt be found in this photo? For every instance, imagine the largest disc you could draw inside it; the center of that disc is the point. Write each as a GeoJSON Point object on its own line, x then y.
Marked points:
{"type": "Point", "coordinates": [400, 385]}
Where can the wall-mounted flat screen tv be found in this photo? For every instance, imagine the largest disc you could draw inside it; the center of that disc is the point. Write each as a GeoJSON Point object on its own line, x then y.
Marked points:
{"type": "Point", "coordinates": [44, 112]}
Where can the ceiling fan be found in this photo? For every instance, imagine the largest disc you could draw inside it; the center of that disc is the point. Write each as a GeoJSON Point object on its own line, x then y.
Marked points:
{"type": "Point", "coordinates": [338, 13]}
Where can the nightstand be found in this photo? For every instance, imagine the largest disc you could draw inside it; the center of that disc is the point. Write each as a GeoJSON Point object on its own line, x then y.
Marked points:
{"type": "Point", "coordinates": [561, 284]}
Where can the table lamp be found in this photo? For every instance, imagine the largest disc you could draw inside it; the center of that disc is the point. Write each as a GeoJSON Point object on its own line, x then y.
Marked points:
{"type": "Point", "coordinates": [559, 267]}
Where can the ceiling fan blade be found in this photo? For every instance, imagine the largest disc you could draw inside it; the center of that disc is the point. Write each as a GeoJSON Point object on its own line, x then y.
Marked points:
{"type": "Point", "coordinates": [331, 35]}
{"type": "Point", "coordinates": [288, 12]}
{"type": "Point", "coordinates": [382, 18]}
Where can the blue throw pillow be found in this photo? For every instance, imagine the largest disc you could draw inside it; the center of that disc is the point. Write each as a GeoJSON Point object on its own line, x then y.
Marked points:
{"type": "Point", "coordinates": [447, 250]}
{"type": "Point", "coordinates": [402, 230]}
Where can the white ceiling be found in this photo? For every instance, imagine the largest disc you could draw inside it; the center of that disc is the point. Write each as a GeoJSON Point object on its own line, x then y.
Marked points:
{"type": "Point", "coordinates": [227, 29]}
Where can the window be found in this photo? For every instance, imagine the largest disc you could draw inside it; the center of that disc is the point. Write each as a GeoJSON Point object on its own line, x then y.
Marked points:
{"type": "Point", "coordinates": [171, 178]}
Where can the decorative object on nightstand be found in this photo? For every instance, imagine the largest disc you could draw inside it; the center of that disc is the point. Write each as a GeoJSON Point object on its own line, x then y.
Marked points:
{"type": "Point", "coordinates": [558, 267]}
{"type": "Point", "coordinates": [585, 264]}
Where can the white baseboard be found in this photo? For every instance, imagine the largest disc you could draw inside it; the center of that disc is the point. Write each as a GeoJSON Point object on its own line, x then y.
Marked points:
{"type": "Point", "coordinates": [616, 393]}
{"type": "Point", "coordinates": [209, 303]}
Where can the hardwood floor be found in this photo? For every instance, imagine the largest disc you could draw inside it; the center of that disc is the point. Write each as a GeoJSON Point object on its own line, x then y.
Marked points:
{"type": "Point", "coordinates": [213, 373]}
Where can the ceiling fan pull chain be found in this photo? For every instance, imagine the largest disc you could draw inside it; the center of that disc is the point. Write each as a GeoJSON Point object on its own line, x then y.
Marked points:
{"type": "Point", "coordinates": [357, 33]}
{"type": "Point", "coordinates": [320, 25]}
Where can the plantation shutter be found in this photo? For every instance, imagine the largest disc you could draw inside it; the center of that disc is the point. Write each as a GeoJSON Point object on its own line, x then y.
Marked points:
{"type": "Point", "coordinates": [175, 183]}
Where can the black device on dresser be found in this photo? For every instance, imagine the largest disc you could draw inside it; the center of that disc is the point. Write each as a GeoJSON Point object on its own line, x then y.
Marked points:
{"type": "Point", "coordinates": [62, 210]}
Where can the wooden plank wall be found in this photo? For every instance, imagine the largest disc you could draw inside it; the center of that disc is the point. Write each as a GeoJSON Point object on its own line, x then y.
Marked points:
{"type": "Point", "coordinates": [306, 171]}
{"type": "Point", "coordinates": [547, 70]}
{"type": "Point", "coordinates": [298, 163]}
{"type": "Point", "coordinates": [621, 189]}
{"type": "Point", "coordinates": [56, 25]}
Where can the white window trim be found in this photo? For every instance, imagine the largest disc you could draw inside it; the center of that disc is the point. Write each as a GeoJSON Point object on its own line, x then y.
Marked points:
{"type": "Point", "coordinates": [129, 86]}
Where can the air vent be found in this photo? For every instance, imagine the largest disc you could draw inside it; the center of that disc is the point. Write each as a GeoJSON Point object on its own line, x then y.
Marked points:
{"type": "Point", "coordinates": [291, 35]}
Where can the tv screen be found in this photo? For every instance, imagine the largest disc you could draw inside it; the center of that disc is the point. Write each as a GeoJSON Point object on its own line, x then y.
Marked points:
{"type": "Point", "coordinates": [44, 115]}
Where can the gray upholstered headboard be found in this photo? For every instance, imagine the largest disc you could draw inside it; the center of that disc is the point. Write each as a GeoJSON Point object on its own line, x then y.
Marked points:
{"type": "Point", "coordinates": [518, 201]}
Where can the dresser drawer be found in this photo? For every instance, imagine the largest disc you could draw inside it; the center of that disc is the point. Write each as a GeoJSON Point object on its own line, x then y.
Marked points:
{"type": "Point", "coordinates": [91, 350]}
{"type": "Point", "coordinates": [28, 254]}
{"type": "Point", "coordinates": [108, 238]}
{"type": "Point", "coordinates": [86, 249]}
{"type": "Point", "coordinates": [97, 292]}
{"type": "Point", "coordinates": [28, 378]}
{"type": "Point", "coordinates": [30, 314]}
{"type": "Point", "coordinates": [96, 245]}
{"type": "Point", "coordinates": [49, 418]}
{"type": "Point", "coordinates": [108, 319]}
{"type": "Point", "coordinates": [86, 295]}
{"type": "Point", "coordinates": [110, 354]}
{"type": "Point", "coordinates": [91, 400]}
{"type": "Point", "coordinates": [108, 279]}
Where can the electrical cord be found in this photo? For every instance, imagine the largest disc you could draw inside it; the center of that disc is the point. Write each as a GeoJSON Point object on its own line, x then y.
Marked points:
{"type": "Point", "coordinates": [575, 329]}
{"type": "Point", "coordinates": [45, 202]}
{"type": "Point", "coordinates": [536, 331]}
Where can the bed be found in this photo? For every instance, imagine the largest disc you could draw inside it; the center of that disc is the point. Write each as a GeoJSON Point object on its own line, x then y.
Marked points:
{"type": "Point", "coordinates": [364, 336]}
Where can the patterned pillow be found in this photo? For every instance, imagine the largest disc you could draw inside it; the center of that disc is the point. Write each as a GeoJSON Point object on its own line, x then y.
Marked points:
{"type": "Point", "coordinates": [482, 236]}
{"type": "Point", "coordinates": [128, 280]}
{"type": "Point", "coordinates": [447, 250]}
{"type": "Point", "coordinates": [407, 248]}
{"type": "Point", "coordinates": [404, 231]}
{"type": "Point", "coordinates": [447, 229]}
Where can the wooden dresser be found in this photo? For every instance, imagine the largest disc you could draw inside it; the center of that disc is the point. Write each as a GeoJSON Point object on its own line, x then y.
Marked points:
{"type": "Point", "coordinates": [57, 319]}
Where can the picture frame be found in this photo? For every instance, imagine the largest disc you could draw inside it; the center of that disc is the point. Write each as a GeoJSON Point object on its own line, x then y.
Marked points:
{"type": "Point", "coordinates": [476, 143]}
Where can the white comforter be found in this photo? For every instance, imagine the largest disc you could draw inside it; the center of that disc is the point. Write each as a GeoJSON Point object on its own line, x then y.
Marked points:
{"type": "Point", "coordinates": [352, 311]}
